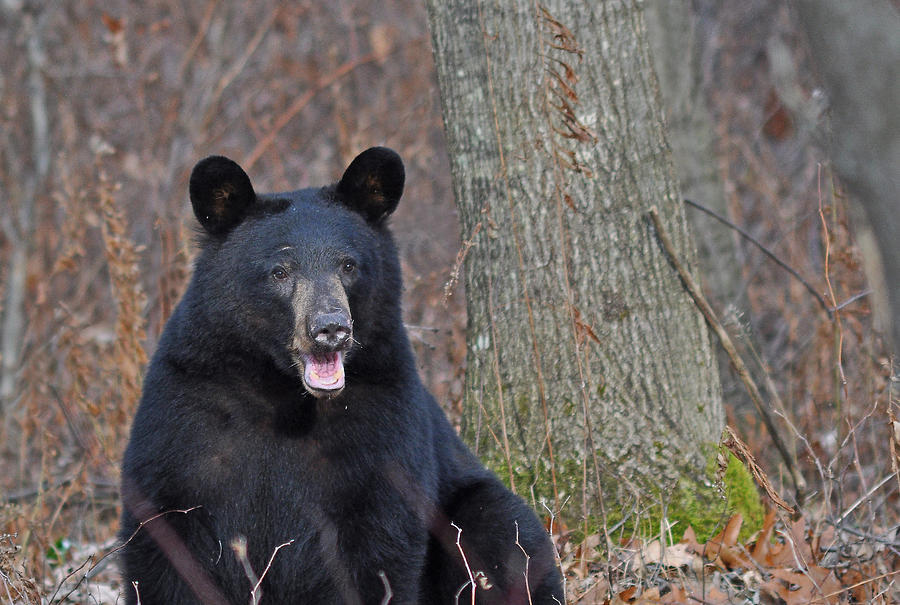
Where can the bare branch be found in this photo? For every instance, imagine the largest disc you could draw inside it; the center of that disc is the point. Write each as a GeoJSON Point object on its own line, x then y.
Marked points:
{"type": "Point", "coordinates": [237, 67]}
{"type": "Point", "coordinates": [736, 361]}
{"type": "Point", "coordinates": [388, 593]}
{"type": "Point", "coordinates": [527, 561]}
{"type": "Point", "coordinates": [471, 581]}
{"type": "Point", "coordinates": [94, 566]}
{"type": "Point", "coordinates": [301, 102]}
{"type": "Point", "coordinates": [746, 235]}
{"type": "Point", "coordinates": [255, 594]}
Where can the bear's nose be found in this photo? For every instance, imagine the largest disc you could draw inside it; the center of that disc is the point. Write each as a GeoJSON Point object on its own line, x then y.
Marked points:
{"type": "Point", "coordinates": [330, 330]}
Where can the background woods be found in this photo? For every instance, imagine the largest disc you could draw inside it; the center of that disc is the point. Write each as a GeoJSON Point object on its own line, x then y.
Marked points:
{"type": "Point", "coordinates": [105, 108]}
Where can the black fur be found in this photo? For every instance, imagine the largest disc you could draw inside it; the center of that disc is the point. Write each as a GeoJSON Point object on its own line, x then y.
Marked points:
{"type": "Point", "coordinates": [357, 484]}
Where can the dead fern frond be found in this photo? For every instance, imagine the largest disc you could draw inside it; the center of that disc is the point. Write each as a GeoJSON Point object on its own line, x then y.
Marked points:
{"type": "Point", "coordinates": [122, 256]}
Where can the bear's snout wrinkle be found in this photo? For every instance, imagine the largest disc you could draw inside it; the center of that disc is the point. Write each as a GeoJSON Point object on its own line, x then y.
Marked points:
{"type": "Point", "coordinates": [323, 323]}
{"type": "Point", "coordinates": [330, 331]}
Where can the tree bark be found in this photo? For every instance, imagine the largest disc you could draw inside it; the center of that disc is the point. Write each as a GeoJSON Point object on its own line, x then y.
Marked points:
{"type": "Point", "coordinates": [588, 364]}
{"type": "Point", "coordinates": [857, 50]}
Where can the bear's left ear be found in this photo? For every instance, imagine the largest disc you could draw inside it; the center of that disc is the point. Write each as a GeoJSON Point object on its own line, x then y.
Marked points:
{"type": "Point", "coordinates": [373, 183]}
{"type": "Point", "coordinates": [221, 194]}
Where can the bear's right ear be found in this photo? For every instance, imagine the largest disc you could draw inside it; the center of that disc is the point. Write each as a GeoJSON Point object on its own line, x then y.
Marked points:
{"type": "Point", "coordinates": [373, 183]}
{"type": "Point", "coordinates": [221, 194]}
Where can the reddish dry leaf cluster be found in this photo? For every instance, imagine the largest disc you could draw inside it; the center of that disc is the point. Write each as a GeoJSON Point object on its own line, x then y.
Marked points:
{"type": "Point", "coordinates": [786, 562]}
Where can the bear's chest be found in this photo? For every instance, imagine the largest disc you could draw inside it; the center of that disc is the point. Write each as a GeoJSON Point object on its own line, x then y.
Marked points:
{"type": "Point", "coordinates": [295, 454]}
{"type": "Point", "coordinates": [328, 493]}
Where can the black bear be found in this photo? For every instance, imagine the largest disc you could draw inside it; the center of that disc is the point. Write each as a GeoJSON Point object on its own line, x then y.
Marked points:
{"type": "Point", "coordinates": [285, 449]}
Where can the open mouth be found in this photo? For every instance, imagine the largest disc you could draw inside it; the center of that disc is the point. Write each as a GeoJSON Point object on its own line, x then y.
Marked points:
{"type": "Point", "coordinates": [323, 373]}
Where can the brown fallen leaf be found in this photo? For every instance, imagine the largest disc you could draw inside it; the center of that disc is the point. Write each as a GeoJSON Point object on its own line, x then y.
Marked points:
{"type": "Point", "coordinates": [598, 594]}
{"type": "Point", "coordinates": [794, 552]}
{"type": "Point", "coordinates": [735, 557]}
{"type": "Point", "coordinates": [727, 537]}
{"type": "Point", "coordinates": [709, 595]}
{"type": "Point", "coordinates": [677, 594]}
{"type": "Point", "coordinates": [822, 542]}
{"type": "Point", "coordinates": [648, 597]}
{"type": "Point", "coordinates": [763, 542]}
{"type": "Point", "coordinates": [690, 538]}
{"type": "Point", "coordinates": [819, 585]}
{"type": "Point", "coordinates": [676, 555]}
{"type": "Point", "coordinates": [627, 595]}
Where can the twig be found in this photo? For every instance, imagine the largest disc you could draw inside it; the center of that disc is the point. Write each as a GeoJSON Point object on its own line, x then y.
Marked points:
{"type": "Point", "coordinates": [527, 561]}
{"type": "Point", "coordinates": [94, 566]}
{"type": "Point", "coordinates": [255, 595]}
{"type": "Point", "coordinates": [894, 430]}
{"type": "Point", "coordinates": [466, 563]}
{"type": "Point", "coordinates": [388, 593]}
{"type": "Point", "coordinates": [457, 264]}
{"type": "Point", "coordinates": [737, 447]}
{"type": "Point", "coordinates": [237, 67]}
{"type": "Point", "coordinates": [208, 13]}
{"type": "Point", "coordinates": [556, 550]}
{"type": "Point", "coordinates": [819, 298]}
{"type": "Point", "coordinates": [495, 354]}
{"type": "Point", "coordinates": [65, 597]}
{"type": "Point", "coordinates": [422, 328]}
{"type": "Point", "coordinates": [135, 532]}
{"type": "Point", "coordinates": [826, 598]}
{"type": "Point", "coordinates": [841, 389]}
{"type": "Point", "coordinates": [852, 299]}
{"type": "Point", "coordinates": [861, 534]}
{"type": "Point", "coordinates": [31, 492]}
{"type": "Point", "coordinates": [302, 102]}
{"type": "Point", "coordinates": [863, 498]}
{"type": "Point", "coordinates": [736, 361]}
{"type": "Point", "coordinates": [239, 546]}
{"type": "Point", "coordinates": [522, 272]}
{"type": "Point", "coordinates": [6, 583]}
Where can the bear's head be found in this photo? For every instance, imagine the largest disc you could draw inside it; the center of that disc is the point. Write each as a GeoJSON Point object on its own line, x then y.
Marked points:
{"type": "Point", "coordinates": [306, 280]}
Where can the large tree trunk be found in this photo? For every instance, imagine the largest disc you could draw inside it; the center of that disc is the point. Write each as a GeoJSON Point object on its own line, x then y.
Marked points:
{"type": "Point", "coordinates": [857, 50]}
{"type": "Point", "coordinates": [588, 364]}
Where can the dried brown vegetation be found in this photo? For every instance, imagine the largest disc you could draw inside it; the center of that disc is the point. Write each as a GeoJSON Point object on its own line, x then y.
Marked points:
{"type": "Point", "coordinates": [133, 96]}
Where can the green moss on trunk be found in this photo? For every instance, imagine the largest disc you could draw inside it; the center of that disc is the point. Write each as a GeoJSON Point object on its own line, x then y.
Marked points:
{"type": "Point", "coordinates": [695, 501]}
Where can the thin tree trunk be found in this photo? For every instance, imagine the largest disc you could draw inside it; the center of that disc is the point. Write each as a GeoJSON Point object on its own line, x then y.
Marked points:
{"type": "Point", "coordinates": [20, 227]}
{"type": "Point", "coordinates": [673, 28]}
{"type": "Point", "coordinates": [857, 50]}
{"type": "Point", "coordinates": [586, 358]}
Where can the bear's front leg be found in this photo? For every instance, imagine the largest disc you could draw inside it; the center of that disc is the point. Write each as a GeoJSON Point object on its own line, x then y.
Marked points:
{"type": "Point", "coordinates": [488, 540]}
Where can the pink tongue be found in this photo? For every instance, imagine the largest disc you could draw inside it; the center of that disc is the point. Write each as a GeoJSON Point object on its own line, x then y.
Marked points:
{"type": "Point", "coordinates": [324, 372]}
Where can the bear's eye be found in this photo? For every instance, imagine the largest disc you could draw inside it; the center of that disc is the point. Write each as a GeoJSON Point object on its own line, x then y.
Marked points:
{"type": "Point", "coordinates": [279, 273]}
{"type": "Point", "coordinates": [348, 266]}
